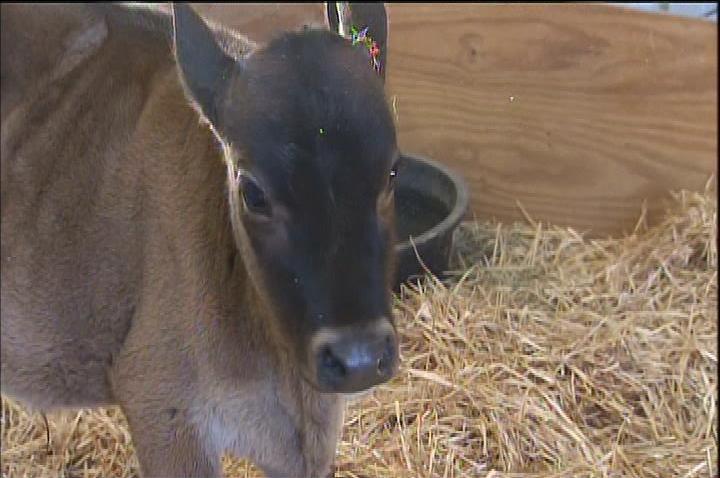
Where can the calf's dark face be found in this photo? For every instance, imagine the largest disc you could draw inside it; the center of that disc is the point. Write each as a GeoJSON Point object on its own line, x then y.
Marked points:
{"type": "Point", "coordinates": [306, 120]}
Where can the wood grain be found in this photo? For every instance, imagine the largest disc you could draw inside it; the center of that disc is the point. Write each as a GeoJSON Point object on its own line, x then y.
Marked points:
{"type": "Point", "coordinates": [578, 111]}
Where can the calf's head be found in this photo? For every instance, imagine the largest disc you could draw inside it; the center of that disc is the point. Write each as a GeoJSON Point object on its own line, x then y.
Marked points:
{"type": "Point", "coordinates": [311, 149]}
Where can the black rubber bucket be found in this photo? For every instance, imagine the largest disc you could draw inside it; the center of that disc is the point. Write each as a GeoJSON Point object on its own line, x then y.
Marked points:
{"type": "Point", "coordinates": [430, 202]}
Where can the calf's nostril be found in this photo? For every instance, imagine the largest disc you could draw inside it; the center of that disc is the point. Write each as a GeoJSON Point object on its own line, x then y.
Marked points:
{"type": "Point", "coordinates": [385, 364]}
{"type": "Point", "coordinates": [331, 363]}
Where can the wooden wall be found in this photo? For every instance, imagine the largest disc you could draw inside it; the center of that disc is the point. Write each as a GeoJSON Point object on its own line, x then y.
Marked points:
{"type": "Point", "coordinates": [576, 111]}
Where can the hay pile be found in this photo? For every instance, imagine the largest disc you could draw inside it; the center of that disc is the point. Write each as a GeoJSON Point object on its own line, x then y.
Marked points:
{"type": "Point", "coordinates": [547, 355]}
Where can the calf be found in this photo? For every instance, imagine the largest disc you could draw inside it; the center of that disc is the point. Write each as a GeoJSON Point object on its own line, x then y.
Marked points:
{"type": "Point", "coordinates": [197, 228]}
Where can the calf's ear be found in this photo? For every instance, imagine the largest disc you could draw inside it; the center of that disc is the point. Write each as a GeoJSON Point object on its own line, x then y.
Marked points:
{"type": "Point", "coordinates": [205, 69]}
{"type": "Point", "coordinates": [342, 16]}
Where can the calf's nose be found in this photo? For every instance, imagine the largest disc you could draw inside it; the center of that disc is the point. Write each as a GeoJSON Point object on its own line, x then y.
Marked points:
{"type": "Point", "coordinates": [356, 359]}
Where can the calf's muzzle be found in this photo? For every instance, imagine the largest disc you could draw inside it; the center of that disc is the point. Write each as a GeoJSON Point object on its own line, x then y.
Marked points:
{"type": "Point", "coordinates": [353, 359]}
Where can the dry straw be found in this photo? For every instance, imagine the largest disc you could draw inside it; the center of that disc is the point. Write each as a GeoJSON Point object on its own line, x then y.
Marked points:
{"type": "Point", "coordinates": [545, 355]}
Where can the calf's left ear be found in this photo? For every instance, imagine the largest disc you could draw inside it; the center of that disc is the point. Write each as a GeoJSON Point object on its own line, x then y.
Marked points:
{"type": "Point", "coordinates": [342, 16]}
{"type": "Point", "coordinates": [205, 69]}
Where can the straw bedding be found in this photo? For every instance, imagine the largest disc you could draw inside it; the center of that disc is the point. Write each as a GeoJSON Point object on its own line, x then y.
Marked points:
{"type": "Point", "coordinates": [545, 355]}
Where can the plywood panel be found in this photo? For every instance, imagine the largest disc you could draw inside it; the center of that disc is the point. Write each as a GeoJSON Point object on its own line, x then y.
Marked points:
{"type": "Point", "coordinates": [579, 112]}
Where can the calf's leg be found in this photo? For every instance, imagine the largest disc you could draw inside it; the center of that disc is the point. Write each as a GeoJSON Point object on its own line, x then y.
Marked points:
{"type": "Point", "coordinates": [167, 443]}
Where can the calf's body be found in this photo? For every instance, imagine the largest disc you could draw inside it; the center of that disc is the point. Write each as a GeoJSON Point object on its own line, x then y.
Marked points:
{"type": "Point", "coordinates": [123, 281]}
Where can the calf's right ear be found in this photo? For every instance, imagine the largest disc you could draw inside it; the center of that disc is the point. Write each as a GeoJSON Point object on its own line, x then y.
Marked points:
{"type": "Point", "coordinates": [205, 69]}
{"type": "Point", "coordinates": [340, 17]}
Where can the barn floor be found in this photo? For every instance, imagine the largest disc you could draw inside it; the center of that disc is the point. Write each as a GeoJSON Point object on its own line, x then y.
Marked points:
{"type": "Point", "coordinates": [548, 355]}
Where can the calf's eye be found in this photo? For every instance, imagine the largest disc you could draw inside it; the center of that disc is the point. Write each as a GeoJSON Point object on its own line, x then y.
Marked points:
{"type": "Point", "coordinates": [253, 196]}
{"type": "Point", "coordinates": [393, 175]}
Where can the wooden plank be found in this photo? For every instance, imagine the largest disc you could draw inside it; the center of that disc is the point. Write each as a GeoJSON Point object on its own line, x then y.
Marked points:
{"type": "Point", "coordinates": [577, 111]}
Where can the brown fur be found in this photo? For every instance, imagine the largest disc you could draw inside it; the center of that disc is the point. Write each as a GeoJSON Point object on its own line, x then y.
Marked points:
{"type": "Point", "coordinates": [121, 281]}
